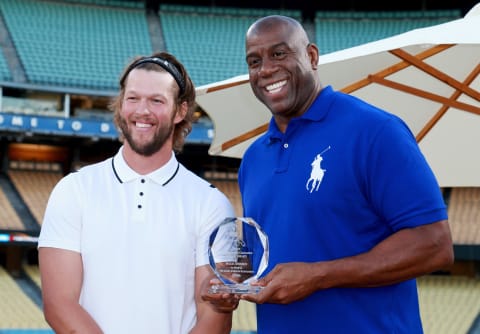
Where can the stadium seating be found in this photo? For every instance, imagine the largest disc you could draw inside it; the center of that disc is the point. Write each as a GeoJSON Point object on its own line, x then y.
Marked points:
{"type": "Point", "coordinates": [210, 40]}
{"type": "Point", "coordinates": [4, 71]}
{"type": "Point", "coordinates": [86, 43]}
{"type": "Point", "coordinates": [464, 215]}
{"type": "Point", "coordinates": [9, 219]}
{"type": "Point", "coordinates": [117, 3]}
{"type": "Point", "coordinates": [230, 189]}
{"type": "Point", "coordinates": [340, 30]}
{"type": "Point", "coordinates": [17, 309]}
{"type": "Point", "coordinates": [449, 304]}
{"type": "Point", "coordinates": [33, 273]}
{"type": "Point", "coordinates": [35, 188]}
{"type": "Point", "coordinates": [228, 11]}
{"type": "Point", "coordinates": [64, 44]}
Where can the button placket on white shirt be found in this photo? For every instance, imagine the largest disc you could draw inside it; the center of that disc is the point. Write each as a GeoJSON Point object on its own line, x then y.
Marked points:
{"type": "Point", "coordinates": [140, 200]}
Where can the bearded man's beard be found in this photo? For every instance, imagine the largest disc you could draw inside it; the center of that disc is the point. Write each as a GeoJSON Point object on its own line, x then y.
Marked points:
{"type": "Point", "coordinates": [149, 148]}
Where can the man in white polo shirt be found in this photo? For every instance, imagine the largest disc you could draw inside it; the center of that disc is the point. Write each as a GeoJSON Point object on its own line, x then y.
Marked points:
{"type": "Point", "coordinates": [124, 242]}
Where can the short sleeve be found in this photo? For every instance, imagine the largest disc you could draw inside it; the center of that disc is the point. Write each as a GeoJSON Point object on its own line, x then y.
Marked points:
{"type": "Point", "coordinates": [217, 207]}
{"type": "Point", "coordinates": [402, 186]}
{"type": "Point", "coordinates": [61, 227]}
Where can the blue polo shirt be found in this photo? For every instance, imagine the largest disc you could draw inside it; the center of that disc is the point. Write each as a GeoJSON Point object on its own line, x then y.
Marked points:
{"type": "Point", "coordinates": [343, 177]}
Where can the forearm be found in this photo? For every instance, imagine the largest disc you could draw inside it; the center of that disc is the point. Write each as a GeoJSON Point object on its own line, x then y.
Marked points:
{"type": "Point", "coordinates": [406, 254]}
{"type": "Point", "coordinates": [62, 277]}
{"type": "Point", "coordinates": [212, 316]}
{"type": "Point", "coordinates": [70, 318]}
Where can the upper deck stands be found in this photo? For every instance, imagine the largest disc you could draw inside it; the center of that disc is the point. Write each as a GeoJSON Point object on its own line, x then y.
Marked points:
{"type": "Point", "coordinates": [340, 30]}
{"type": "Point", "coordinates": [71, 44]}
{"type": "Point", "coordinates": [210, 40]}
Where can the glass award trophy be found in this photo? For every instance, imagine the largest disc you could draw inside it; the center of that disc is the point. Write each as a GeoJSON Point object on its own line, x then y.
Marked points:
{"type": "Point", "coordinates": [238, 254]}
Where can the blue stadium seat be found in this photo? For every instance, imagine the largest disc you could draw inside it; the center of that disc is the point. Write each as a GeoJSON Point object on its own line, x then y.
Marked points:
{"type": "Point", "coordinates": [4, 71]}
{"type": "Point", "coordinates": [210, 40]}
{"type": "Point", "coordinates": [340, 30]}
{"type": "Point", "coordinates": [75, 44]}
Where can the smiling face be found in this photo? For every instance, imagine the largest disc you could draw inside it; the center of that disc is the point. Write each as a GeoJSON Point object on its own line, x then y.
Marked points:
{"type": "Point", "coordinates": [148, 111]}
{"type": "Point", "coordinates": [281, 66]}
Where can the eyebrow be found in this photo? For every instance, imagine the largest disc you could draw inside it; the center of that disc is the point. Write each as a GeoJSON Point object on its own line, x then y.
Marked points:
{"type": "Point", "coordinates": [281, 44]}
{"type": "Point", "coordinates": [135, 92]}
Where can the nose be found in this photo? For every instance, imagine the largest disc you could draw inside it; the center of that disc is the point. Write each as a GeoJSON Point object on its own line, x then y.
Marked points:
{"type": "Point", "coordinates": [142, 107]}
{"type": "Point", "coordinates": [267, 68]}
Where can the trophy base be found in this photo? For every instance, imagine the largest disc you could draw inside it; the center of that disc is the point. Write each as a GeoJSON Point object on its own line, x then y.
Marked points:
{"type": "Point", "coordinates": [238, 289]}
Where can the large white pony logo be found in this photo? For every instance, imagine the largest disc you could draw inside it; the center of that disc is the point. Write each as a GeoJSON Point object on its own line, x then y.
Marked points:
{"type": "Point", "coordinates": [317, 173]}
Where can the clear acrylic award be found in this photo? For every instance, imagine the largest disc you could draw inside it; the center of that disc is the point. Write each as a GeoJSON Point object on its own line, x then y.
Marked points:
{"type": "Point", "coordinates": [238, 254]}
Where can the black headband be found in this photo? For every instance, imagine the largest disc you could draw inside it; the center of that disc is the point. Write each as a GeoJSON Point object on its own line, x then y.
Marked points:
{"type": "Point", "coordinates": [165, 64]}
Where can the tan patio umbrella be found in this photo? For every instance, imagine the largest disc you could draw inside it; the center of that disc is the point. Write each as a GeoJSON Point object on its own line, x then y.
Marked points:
{"type": "Point", "coordinates": [429, 77]}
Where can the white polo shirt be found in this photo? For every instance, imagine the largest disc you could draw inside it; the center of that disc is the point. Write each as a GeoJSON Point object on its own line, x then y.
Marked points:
{"type": "Point", "coordinates": [140, 237]}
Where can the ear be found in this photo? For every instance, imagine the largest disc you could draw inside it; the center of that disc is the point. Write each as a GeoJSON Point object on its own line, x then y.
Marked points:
{"type": "Point", "coordinates": [313, 54]}
{"type": "Point", "coordinates": [181, 112]}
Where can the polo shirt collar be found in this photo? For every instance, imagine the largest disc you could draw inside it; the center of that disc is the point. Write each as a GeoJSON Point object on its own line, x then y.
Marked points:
{"type": "Point", "coordinates": [125, 174]}
{"type": "Point", "coordinates": [316, 113]}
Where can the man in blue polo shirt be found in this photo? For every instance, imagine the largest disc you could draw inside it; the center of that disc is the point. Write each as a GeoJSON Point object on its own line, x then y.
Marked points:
{"type": "Point", "coordinates": [351, 207]}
